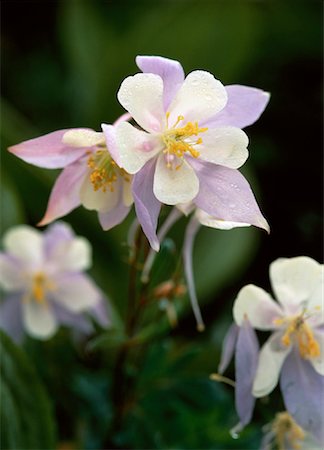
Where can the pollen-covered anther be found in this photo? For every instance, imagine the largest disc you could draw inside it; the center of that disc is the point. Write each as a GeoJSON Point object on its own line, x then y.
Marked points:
{"type": "Point", "coordinates": [299, 331]}
{"type": "Point", "coordinates": [104, 171]}
{"type": "Point", "coordinates": [178, 140]}
{"type": "Point", "coordinates": [40, 285]}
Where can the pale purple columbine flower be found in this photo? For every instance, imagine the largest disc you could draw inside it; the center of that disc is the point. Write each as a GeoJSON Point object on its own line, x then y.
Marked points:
{"type": "Point", "coordinates": [44, 284]}
{"type": "Point", "coordinates": [91, 175]}
{"type": "Point", "coordinates": [241, 341]}
{"type": "Point", "coordinates": [191, 145]}
{"type": "Point", "coordinates": [295, 349]}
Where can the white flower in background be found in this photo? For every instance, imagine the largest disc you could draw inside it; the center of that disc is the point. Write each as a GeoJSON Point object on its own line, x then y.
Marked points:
{"type": "Point", "coordinates": [44, 284]}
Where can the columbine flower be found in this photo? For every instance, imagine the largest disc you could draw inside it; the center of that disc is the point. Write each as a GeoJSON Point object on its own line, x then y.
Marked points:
{"type": "Point", "coordinates": [192, 143]}
{"type": "Point", "coordinates": [295, 349]}
{"type": "Point", "coordinates": [91, 174]}
{"type": "Point", "coordinates": [283, 433]}
{"type": "Point", "coordinates": [42, 277]}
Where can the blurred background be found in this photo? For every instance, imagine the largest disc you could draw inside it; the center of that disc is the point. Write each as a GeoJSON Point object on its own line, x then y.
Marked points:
{"type": "Point", "coordinates": [62, 64]}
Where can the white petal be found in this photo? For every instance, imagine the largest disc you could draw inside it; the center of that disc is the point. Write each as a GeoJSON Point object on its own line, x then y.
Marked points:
{"type": "Point", "coordinates": [294, 280]}
{"type": "Point", "coordinates": [200, 97]}
{"type": "Point", "coordinates": [72, 255]}
{"type": "Point", "coordinates": [127, 193]}
{"type": "Point", "coordinates": [39, 319]}
{"type": "Point", "coordinates": [257, 305]}
{"type": "Point", "coordinates": [142, 96]}
{"type": "Point", "coordinates": [25, 243]}
{"type": "Point", "coordinates": [271, 359]}
{"type": "Point", "coordinates": [318, 363]}
{"type": "Point", "coordinates": [210, 221]}
{"type": "Point", "coordinates": [173, 186]}
{"type": "Point", "coordinates": [83, 138]}
{"type": "Point", "coordinates": [135, 147]}
{"type": "Point", "coordinates": [11, 278]}
{"type": "Point", "coordinates": [98, 200]}
{"type": "Point", "coordinates": [315, 304]}
{"type": "Point", "coordinates": [76, 292]}
{"type": "Point", "coordinates": [226, 146]}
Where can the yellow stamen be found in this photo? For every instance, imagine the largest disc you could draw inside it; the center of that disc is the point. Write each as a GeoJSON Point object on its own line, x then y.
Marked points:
{"type": "Point", "coordinates": [40, 284]}
{"type": "Point", "coordinates": [298, 330]}
{"type": "Point", "coordinates": [286, 431]}
{"type": "Point", "coordinates": [104, 171]}
{"type": "Point", "coordinates": [177, 140]}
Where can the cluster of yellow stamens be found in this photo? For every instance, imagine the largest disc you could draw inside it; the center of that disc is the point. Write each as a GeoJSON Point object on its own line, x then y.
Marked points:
{"type": "Point", "coordinates": [298, 329]}
{"type": "Point", "coordinates": [176, 139]}
{"type": "Point", "coordinates": [40, 284]}
{"type": "Point", "coordinates": [287, 431]}
{"type": "Point", "coordinates": [104, 171]}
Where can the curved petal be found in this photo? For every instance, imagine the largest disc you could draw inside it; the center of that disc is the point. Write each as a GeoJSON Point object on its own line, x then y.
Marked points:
{"type": "Point", "coordinates": [25, 244]}
{"type": "Point", "coordinates": [302, 390]}
{"type": "Point", "coordinates": [65, 195]}
{"type": "Point", "coordinates": [200, 97]}
{"type": "Point", "coordinates": [318, 363]}
{"type": "Point", "coordinates": [83, 138]}
{"type": "Point", "coordinates": [228, 347]}
{"type": "Point", "coordinates": [147, 206]}
{"type": "Point", "coordinates": [315, 305]}
{"type": "Point", "coordinates": [271, 359]}
{"type": "Point", "coordinates": [111, 142]}
{"type": "Point", "coordinates": [99, 200]}
{"type": "Point", "coordinates": [39, 319]}
{"type": "Point", "coordinates": [11, 273]}
{"type": "Point", "coordinates": [169, 70]}
{"type": "Point", "coordinates": [294, 280]}
{"type": "Point", "coordinates": [226, 146]}
{"type": "Point", "coordinates": [142, 96]}
{"type": "Point", "coordinates": [71, 255]}
{"type": "Point", "coordinates": [257, 305]}
{"type": "Point", "coordinates": [225, 194]}
{"type": "Point", "coordinates": [56, 233]}
{"type": "Point", "coordinates": [76, 321]}
{"type": "Point", "coordinates": [209, 221]}
{"type": "Point", "coordinates": [244, 106]}
{"type": "Point", "coordinates": [135, 147]}
{"type": "Point", "coordinates": [174, 185]}
{"type": "Point", "coordinates": [246, 361]}
{"type": "Point", "coordinates": [48, 151]}
{"type": "Point", "coordinates": [75, 292]}
{"type": "Point", "coordinates": [11, 317]}
{"type": "Point", "coordinates": [110, 219]}
{"type": "Point", "coordinates": [127, 195]}
{"type": "Point", "coordinates": [189, 239]}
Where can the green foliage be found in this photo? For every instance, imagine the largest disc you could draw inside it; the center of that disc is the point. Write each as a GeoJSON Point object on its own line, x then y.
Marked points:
{"type": "Point", "coordinates": [26, 413]}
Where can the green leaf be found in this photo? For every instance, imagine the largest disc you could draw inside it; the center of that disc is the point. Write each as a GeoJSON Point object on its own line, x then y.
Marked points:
{"type": "Point", "coordinates": [27, 419]}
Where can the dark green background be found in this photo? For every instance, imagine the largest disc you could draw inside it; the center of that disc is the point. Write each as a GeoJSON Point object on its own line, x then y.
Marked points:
{"type": "Point", "coordinates": [62, 64]}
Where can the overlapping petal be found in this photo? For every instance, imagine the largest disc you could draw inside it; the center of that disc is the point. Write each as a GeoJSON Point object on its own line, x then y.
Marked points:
{"type": "Point", "coordinates": [226, 146]}
{"type": "Point", "coordinates": [199, 97]}
{"type": "Point", "coordinates": [294, 280]}
{"type": "Point", "coordinates": [256, 304]}
{"type": "Point", "coordinates": [10, 273]}
{"type": "Point", "coordinates": [244, 106]}
{"type": "Point", "coordinates": [147, 205]}
{"type": "Point", "coordinates": [169, 70]}
{"type": "Point", "coordinates": [25, 244]}
{"type": "Point", "coordinates": [142, 96]}
{"type": "Point", "coordinates": [39, 319]}
{"type": "Point", "coordinates": [172, 186]}
{"type": "Point", "coordinates": [271, 358]}
{"type": "Point", "coordinates": [65, 195]}
{"type": "Point", "coordinates": [225, 194]}
{"type": "Point", "coordinates": [135, 147]}
{"type": "Point", "coordinates": [49, 151]}
{"type": "Point", "coordinates": [99, 200]}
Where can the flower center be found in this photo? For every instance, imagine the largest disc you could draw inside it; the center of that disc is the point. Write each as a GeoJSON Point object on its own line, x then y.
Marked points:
{"type": "Point", "coordinates": [179, 140]}
{"type": "Point", "coordinates": [303, 335]}
{"type": "Point", "coordinates": [104, 171]}
{"type": "Point", "coordinates": [40, 284]}
{"type": "Point", "coordinates": [286, 430]}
